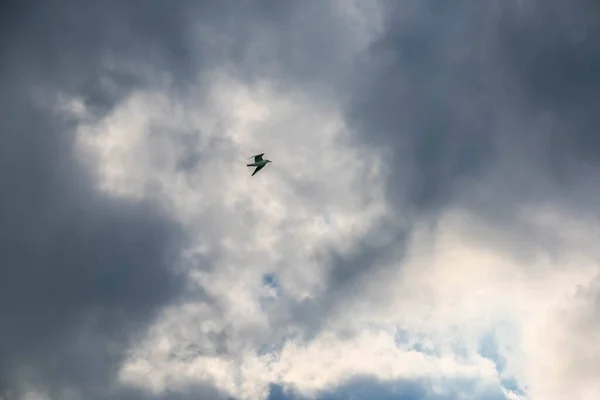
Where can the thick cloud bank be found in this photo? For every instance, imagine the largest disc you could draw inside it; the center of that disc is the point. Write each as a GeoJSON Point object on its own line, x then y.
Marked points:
{"type": "Point", "coordinates": [428, 228]}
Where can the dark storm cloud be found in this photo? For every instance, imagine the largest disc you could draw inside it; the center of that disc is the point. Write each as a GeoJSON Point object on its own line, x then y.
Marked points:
{"type": "Point", "coordinates": [452, 93]}
{"type": "Point", "coordinates": [423, 94]}
{"type": "Point", "coordinates": [79, 270]}
{"type": "Point", "coordinates": [80, 273]}
{"type": "Point", "coordinates": [443, 88]}
{"type": "Point", "coordinates": [555, 56]}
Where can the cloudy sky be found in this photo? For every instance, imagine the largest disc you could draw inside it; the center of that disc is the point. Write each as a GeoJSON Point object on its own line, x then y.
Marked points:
{"type": "Point", "coordinates": [428, 229]}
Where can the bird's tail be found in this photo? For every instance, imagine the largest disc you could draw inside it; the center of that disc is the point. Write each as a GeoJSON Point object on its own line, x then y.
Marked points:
{"type": "Point", "coordinates": [249, 165]}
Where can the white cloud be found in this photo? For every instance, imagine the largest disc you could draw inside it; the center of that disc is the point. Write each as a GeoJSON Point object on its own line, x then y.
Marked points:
{"type": "Point", "coordinates": [457, 284]}
{"type": "Point", "coordinates": [319, 193]}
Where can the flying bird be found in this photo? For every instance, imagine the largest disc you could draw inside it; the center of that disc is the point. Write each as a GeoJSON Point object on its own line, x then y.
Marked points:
{"type": "Point", "coordinates": [259, 163]}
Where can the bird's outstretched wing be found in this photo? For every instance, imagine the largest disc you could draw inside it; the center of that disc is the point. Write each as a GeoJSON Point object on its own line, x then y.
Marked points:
{"type": "Point", "coordinates": [258, 157]}
{"type": "Point", "coordinates": [257, 169]}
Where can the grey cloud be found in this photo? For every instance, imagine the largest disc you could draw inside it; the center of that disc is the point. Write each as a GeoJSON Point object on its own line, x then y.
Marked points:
{"type": "Point", "coordinates": [424, 94]}
{"type": "Point", "coordinates": [554, 55]}
{"type": "Point", "coordinates": [436, 94]}
{"type": "Point", "coordinates": [347, 275]}
{"type": "Point", "coordinates": [415, 98]}
{"type": "Point", "coordinates": [82, 274]}
{"type": "Point", "coordinates": [490, 105]}
{"type": "Point", "coordinates": [448, 90]}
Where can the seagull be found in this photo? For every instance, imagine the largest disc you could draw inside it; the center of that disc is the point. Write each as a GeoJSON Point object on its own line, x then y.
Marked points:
{"type": "Point", "coordinates": [259, 163]}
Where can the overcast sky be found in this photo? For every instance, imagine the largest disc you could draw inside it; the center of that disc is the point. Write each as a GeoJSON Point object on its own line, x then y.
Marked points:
{"type": "Point", "coordinates": [428, 229]}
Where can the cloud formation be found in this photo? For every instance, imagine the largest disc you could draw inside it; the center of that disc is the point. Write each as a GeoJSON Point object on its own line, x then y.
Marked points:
{"type": "Point", "coordinates": [427, 229]}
